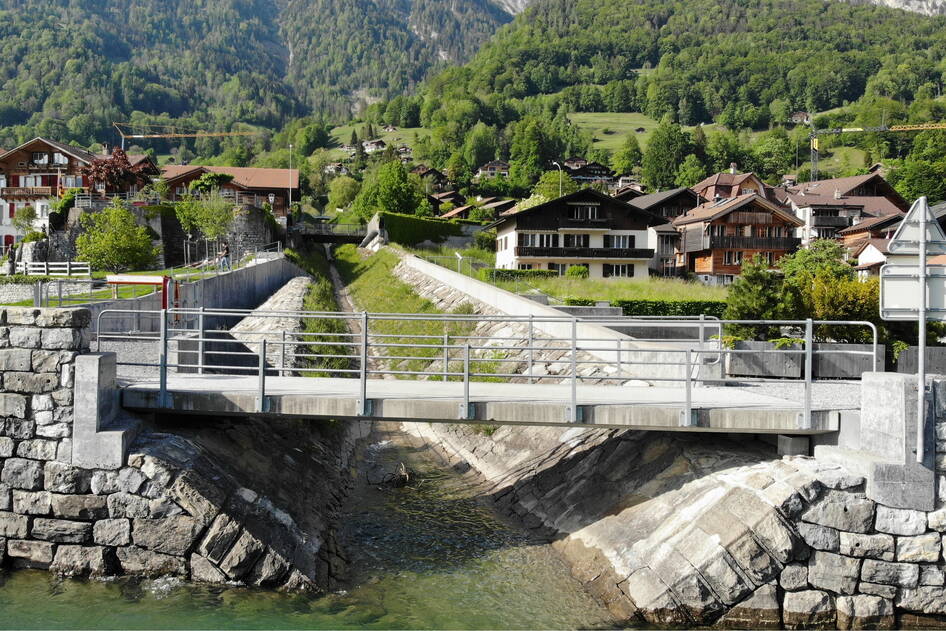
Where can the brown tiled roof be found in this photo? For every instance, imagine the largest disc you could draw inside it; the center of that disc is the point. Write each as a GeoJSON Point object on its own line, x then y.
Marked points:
{"type": "Point", "coordinates": [873, 223]}
{"type": "Point", "coordinates": [873, 206]}
{"type": "Point", "coordinates": [75, 152]}
{"type": "Point", "coordinates": [845, 185]}
{"type": "Point", "coordinates": [880, 244]}
{"type": "Point", "coordinates": [246, 177]}
{"type": "Point", "coordinates": [646, 202]}
{"type": "Point", "coordinates": [457, 211]}
{"type": "Point", "coordinates": [713, 210]}
{"type": "Point", "coordinates": [723, 179]}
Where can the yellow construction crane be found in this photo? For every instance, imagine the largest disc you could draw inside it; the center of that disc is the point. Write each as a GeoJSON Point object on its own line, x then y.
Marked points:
{"type": "Point", "coordinates": [175, 132]}
{"type": "Point", "coordinates": [815, 148]}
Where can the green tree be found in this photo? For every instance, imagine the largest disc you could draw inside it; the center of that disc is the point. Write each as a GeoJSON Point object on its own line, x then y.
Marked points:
{"type": "Point", "coordinates": [823, 258]}
{"type": "Point", "coordinates": [210, 182]}
{"type": "Point", "coordinates": [23, 219]}
{"type": "Point", "coordinates": [548, 185]}
{"type": "Point", "coordinates": [211, 214]}
{"type": "Point", "coordinates": [112, 240]}
{"type": "Point", "coordinates": [772, 155]}
{"type": "Point", "coordinates": [342, 192]}
{"type": "Point", "coordinates": [916, 178]}
{"type": "Point", "coordinates": [388, 189]}
{"type": "Point", "coordinates": [666, 150]}
{"type": "Point", "coordinates": [628, 157]}
{"type": "Point", "coordinates": [691, 171]}
{"type": "Point", "coordinates": [755, 295]}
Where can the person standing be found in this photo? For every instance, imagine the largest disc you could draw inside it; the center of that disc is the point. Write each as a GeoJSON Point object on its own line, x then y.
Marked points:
{"type": "Point", "coordinates": [224, 257]}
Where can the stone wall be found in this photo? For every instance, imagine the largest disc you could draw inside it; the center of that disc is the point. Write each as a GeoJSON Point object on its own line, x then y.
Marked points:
{"type": "Point", "coordinates": [217, 501]}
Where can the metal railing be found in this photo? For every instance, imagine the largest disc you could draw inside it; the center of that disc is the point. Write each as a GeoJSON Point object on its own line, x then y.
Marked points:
{"type": "Point", "coordinates": [45, 268]}
{"type": "Point", "coordinates": [447, 347]}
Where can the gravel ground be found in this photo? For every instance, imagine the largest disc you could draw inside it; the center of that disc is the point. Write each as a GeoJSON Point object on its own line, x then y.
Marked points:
{"type": "Point", "coordinates": [833, 395]}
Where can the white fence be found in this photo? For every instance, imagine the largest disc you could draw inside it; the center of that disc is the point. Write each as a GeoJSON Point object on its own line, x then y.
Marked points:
{"type": "Point", "coordinates": [42, 268]}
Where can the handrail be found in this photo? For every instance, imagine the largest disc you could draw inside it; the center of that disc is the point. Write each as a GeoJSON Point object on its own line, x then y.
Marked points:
{"type": "Point", "coordinates": [365, 353]}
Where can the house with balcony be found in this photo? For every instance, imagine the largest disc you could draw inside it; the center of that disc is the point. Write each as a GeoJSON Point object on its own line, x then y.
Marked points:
{"type": "Point", "coordinates": [857, 186]}
{"type": "Point", "coordinates": [586, 228]}
{"type": "Point", "coordinates": [41, 170]}
{"type": "Point", "coordinates": [731, 184]}
{"type": "Point", "coordinates": [826, 216]}
{"type": "Point", "coordinates": [249, 186]}
{"type": "Point", "coordinates": [494, 168]}
{"type": "Point", "coordinates": [716, 237]}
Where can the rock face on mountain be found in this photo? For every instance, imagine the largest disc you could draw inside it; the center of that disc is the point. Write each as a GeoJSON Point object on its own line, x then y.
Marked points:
{"type": "Point", "coordinates": [926, 7]}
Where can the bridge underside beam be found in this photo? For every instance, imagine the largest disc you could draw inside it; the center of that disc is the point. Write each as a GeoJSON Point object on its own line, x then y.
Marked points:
{"type": "Point", "coordinates": [653, 409]}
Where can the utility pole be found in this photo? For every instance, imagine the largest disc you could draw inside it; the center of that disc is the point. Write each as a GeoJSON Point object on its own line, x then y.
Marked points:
{"type": "Point", "coordinates": [560, 172]}
{"type": "Point", "coordinates": [289, 207]}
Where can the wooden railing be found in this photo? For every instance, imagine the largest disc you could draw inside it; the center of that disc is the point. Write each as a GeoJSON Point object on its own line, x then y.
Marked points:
{"type": "Point", "coordinates": [591, 253]}
{"type": "Point", "coordinates": [26, 191]}
{"type": "Point", "coordinates": [751, 243]}
{"type": "Point", "coordinates": [42, 268]}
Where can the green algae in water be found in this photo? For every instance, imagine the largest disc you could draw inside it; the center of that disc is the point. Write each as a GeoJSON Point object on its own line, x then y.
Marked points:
{"type": "Point", "coordinates": [429, 556]}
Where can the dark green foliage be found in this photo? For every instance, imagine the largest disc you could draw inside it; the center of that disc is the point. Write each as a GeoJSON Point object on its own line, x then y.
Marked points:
{"type": "Point", "coordinates": [490, 275]}
{"type": "Point", "coordinates": [714, 308]}
{"type": "Point", "coordinates": [576, 271]}
{"type": "Point", "coordinates": [485, 240]}
{"type": "Point", "coordinates": [755, 295]}
{"type": "Point", "coordinates": [410, 230]}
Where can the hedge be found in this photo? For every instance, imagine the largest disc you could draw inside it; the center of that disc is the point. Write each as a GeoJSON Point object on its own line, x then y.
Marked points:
{"type": "Point", "coordinates": [659, 307]}
{"type": "Point", "coordinates": [671, 307]}
{"type": "Point", "coordinates": [491, 274]}
{"type": "Point", "coordinates": [410, 230]}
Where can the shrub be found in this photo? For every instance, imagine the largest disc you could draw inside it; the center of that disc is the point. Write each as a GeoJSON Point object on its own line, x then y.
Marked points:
{"type": "Point", "coordinates": [577, 271]}
{"type": "Point", "coordinates": [493, 275]}
{"type": "Point", "coordinates": [714, 308]}
{"type": "Point", "coordinates": [485, 240]}
{"type": "Point", "coordinates": [33, 235]}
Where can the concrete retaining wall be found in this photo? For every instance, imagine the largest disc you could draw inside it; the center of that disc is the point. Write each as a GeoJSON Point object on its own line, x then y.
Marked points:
{"type": "Point", "coordinates": [245, 288]}
{"type": "Point", "coordinates": [598, 341]}
{"type": "Point", "coordinates": [791, 365]}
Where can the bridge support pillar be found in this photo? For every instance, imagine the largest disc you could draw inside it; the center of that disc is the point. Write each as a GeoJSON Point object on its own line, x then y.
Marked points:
{"type": "Point", "coordinates": [793, 445]}
{"type": "Point", "coordinates": [101, 435]}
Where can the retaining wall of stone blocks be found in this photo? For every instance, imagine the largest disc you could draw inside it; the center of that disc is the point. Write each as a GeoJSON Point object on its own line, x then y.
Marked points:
{"type": "Point", "coordinates": [182, 503]}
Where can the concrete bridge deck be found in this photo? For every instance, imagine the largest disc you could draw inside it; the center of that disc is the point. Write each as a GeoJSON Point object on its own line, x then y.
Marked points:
{"type": "Point", "coordinates": [715, 409]}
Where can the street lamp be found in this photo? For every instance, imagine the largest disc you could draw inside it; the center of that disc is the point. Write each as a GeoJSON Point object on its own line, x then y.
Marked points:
{"type": "Point", "coordinates": [560, 172]}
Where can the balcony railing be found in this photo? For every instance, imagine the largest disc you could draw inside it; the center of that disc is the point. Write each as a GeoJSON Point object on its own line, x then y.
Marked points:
{"type": "Point", "coordinates": [26, 191]}
{"type": "Point", "coordinates": [830, 222]}
{"type": "Point", "coordinates": [585, 253]}
{"type": "Point", "coordinates": [750, 243]}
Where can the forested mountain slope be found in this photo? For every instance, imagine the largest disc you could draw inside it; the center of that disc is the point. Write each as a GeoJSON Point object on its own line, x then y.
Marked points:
{"type": "Point", "coordinates": [699, 59]}
{"type": "Point", "coordinates": [70, 67]}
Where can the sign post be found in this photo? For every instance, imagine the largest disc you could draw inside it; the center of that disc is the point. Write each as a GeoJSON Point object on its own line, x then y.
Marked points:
{"type": "Point", "coordinates": [919, 233]}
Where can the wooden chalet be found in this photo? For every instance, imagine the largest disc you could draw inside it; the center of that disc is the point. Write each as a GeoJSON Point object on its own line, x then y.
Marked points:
{"type": "Point", "coordinates": [716, 237]}
{"type": "Point", "coordinates": [586, 228]}
{"type": "Point", "coordinates": [249, 186]}
{"type": "Point", "coordinates": [494, 168]}
{"type": "Point", "coordinates": [730, 184]}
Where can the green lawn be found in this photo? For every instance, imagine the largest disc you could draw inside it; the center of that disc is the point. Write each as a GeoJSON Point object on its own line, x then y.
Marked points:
{"type": "Point", "coordinates": [618, 125]}
{"type": "Point", "coordinates": [612, 289]}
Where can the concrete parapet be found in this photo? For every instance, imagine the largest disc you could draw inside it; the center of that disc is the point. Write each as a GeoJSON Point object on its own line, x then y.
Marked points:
{"type": "Point", "coordinates": [884, 447]}
{"type": "Point", "coordinates": [101, 437]}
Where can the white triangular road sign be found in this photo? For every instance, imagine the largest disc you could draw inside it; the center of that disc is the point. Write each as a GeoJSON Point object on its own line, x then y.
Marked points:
{"type": "Point", "coordinates": [906, 240]}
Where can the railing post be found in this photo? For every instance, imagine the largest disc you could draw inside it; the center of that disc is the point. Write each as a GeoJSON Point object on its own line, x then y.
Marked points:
{"type": "Point", "coordinates": [282, 355]}
{"type": "Point", "coordinates": [38, 294]}
{"type": "Point", "coordinates": [687, 420]}
{"type": "Point", "coordinates": [261, 391]}
{"type": "Point", "coordinates": [809, 361]}
{"type": "Point", "coordinates": [59, 291]}
{"type": "Point", "coordinates": [69, 269]}
{"type": "Point", "coordinates": [620, 359]}
{"type": "Point", "coordinates": [573, 411]}
{"type": "Point", "coordinates": [363, 372]}
{"type": "Point", "coordinates": [446, 354]}
{"type": "Point", "coordinates": [531, 348]}
{"type": "Point", "coordinates": [200, 343]}
{"type": "Point", "coordinates": [163, 361]}
{"type": "Point", "coordinates": [466, 381]}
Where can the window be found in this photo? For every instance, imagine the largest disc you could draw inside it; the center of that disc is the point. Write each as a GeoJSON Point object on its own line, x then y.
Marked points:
{"type": "Point", "coordinates": [718, 230]}
{"type": "Point", "coordinates": [525, 266]}
{"type": "Point", "coordinates": [624, 270]}
{"type": "Point", "coordinates": [538, 240]}
{"type": "Point", "coordinates": [576, 240]}
{"type": "Point", "coordinates": [71, 181]}
{"type": "Point", "coordinates": [31, 181]}
{"type": "Point", "coordinates": [623, 241]}
{"type": "Point", "coordinates": [557, 267]}
{"type": "Point", "coordinates": [3, 181]}
{"type": "Point", "coordinates": [180, 191]}
{"type": "Point", "coordinates": [584, 212]}
{"type": "Point", "coordinates": [747, 231]}
{"type": "Point", "coordinates": [59, 158]}
{"type": "Point", "coordinates": [40, 158]}
{"type": "Point", "coordinates": [767, 257]}
{"type": "Point", "coordinates": [733, 257]}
